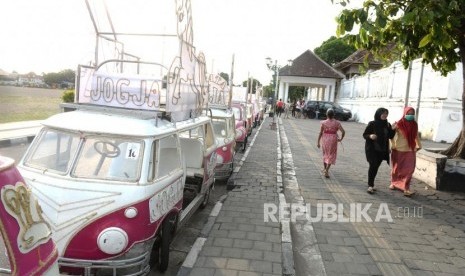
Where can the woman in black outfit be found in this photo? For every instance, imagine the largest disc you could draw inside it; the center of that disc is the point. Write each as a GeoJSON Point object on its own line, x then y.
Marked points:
{"type": "Point", "coordinates": [294, 104]}
{"type": "Point", "coordinates": [377, 135]}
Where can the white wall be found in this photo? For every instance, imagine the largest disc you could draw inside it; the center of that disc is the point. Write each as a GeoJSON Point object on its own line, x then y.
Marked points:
{"type": "Point", "coordinates": [439, 116]}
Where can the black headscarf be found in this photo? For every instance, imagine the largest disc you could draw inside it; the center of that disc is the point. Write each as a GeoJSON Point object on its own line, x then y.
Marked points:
{"type": "Point", "coordinates": [381, 127]}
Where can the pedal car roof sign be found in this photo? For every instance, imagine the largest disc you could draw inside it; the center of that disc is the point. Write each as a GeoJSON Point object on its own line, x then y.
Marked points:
{"type": "Point", "coordinates": [181, 87]}
{"type": "Point", "coordinates": [118, 90]}
{"type": "Point", "coordinates": [218, 91]}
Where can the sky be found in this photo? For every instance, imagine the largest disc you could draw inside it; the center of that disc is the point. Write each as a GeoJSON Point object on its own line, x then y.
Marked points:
{"type": "Point", "coordinates": [52, 35]}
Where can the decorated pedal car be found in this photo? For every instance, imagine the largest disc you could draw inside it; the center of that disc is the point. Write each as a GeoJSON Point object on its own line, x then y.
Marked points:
{"type": "Point", "coordinates": [26, 236]}
{"type": "Point", "coordinates": [223, 122]}
{"type": "Point", "coordinates": [121, 173]}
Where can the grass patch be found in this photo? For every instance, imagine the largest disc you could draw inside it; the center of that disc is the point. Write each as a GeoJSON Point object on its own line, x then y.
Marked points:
{"type": "Point", "coordinates": [15, 108]}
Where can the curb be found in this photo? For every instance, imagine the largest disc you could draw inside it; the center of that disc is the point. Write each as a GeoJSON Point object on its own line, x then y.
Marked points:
{"type": "Point", "coordinates": [286, 238]}
{"type": "Point", "coordinates": [17, 140]}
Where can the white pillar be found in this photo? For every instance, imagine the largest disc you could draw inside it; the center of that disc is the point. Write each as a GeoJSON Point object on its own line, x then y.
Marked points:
{"type": "Point", "coordinates": [286, 92]}
{"type": "Point", "coordinates": [328, 93]}
{"type": "Point", "coordinates": [281, 91]}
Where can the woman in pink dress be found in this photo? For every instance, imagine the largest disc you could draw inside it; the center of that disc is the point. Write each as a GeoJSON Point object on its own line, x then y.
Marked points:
{"type": "Point", "coordinates": [328, 136]}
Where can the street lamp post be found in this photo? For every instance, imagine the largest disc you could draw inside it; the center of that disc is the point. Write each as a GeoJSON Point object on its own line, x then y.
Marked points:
{"type": "Point", "coordinates": [275, 68]}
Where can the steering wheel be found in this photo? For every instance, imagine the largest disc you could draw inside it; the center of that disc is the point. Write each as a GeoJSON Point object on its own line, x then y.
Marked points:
{"type": "Point", "coordinates": [107, 149]}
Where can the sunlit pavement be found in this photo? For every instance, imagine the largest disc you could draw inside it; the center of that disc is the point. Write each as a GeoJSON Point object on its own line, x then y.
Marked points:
{"type": "Point", "coordinates": [425, 237]}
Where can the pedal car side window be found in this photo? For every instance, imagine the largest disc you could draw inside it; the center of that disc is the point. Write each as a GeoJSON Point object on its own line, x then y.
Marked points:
{"type": "Point", "coordinates": [230, 126]}
{"type": "Point", "coordinates": [169, 157]}
{"type": "Point", "coordinates": [237, 113]}
{"type": "Point", "coordinates": [53, 151]}
{"type": "Point", "coordinates": [109, 158]}
{"type": "Point", "coordinates": [209, 136]}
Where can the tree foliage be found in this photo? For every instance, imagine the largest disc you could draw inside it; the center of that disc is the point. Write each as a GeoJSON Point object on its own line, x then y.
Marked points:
{"type": "Point", "coordinates": [334, 50]}
{"type": "Point", "coordinates": [61, 77]}
{"type": "Point", "coordinates": [431, 29]}
{"type": "Point", "coordinates": [296, 93]}
{"type": "Point", "coordinates": [252, 83]}
{"type": "Point", "coordinates": [225, 76]}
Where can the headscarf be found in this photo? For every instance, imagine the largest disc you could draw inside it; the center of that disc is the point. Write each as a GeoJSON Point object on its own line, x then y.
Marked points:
{"type": "Point", "coordinates": [408, 128]}
{"type": "Point", "coordinates": [378, 121]}
{"type": "Point", "coordinates": [380, 126]}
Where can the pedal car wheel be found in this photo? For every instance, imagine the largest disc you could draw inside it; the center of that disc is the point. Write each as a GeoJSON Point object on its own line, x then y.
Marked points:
{"type": "Point", "coordinates": [245, 143]}
{"type": "Point", "coordinates": [164, 249]}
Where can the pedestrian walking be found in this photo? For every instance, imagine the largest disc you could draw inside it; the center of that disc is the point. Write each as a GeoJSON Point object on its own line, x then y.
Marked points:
{"type": "Point", "coordinates": [329, 138]}
{"type": "Point", "coordinates": [279, 107]}
{"type": "Point", "coordinates": [302, 108]}
{"type": "Point", "coordinates": [287, 107]}
{"type": "Point", "coordinates": [377, 134]}
{"type": "Point", "coordinates": [294, 104]}
{"type": "Point", "coordinates": [404, 146]}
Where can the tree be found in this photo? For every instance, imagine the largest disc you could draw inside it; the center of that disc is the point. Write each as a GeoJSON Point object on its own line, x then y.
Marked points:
{"type": "Point", "coordinates": [225, 76]}
{"type": "Point", "coordinates": [334, 50]}
{"type": "Point", "coordinates": [431, 29]}
{"type": "Point", "coordinates": [67, 75]}
{"type": "Point", "coordinates": [268, 91]}
{"type": "Point", "coordinates": [252, 81]}
{"type": "Point", "coordinates": [296, 93]}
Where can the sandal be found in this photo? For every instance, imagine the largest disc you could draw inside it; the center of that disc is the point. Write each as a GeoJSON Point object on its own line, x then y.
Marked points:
{"type": "Point", "coordinates": [326, 174]}
{"type": "Point", "coordinates": [408, 193]}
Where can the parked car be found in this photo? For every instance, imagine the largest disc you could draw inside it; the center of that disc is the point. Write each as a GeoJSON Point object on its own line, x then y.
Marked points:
{"type": "Point", "coordinates": [313, 107]}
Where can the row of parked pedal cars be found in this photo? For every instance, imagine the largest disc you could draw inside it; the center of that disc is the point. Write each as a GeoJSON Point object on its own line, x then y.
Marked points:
{"type": "Point", "coordinates": [232, 127]}
{"type": "Point", "coordinates": [115, 184]}
{"type": "Point", "coordinates": [103, 189]}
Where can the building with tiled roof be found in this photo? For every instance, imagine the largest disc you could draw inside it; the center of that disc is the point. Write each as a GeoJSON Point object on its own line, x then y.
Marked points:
{"type": "Point", "coordinates": [311, 72]}
{"type": "Point", "coordinates": [351, 65]}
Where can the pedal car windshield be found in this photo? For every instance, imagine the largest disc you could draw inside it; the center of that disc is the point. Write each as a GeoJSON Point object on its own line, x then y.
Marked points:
{"type": "Point", "coordinates": [97, 156]}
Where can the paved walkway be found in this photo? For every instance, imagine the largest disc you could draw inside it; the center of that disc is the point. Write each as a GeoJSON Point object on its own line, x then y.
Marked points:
{"type": "Point", "coordinates": [240, 241]}
{"type": "Point", "coordinates": [425, 236]}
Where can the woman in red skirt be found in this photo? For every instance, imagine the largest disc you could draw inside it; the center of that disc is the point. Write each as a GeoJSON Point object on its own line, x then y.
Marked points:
{"type": "Point", "coordinates": [404, 146]}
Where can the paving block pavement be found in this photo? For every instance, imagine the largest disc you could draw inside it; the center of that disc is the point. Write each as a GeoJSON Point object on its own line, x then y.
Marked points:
{"type": "Point", "coordinates": [422, 235]}
{"type": "Point", "coordinates": [241, 242]}
{"type": "Point", "coordinates": [425, 236]}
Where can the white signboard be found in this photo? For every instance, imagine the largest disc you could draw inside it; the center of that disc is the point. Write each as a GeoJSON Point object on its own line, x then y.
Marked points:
{"type": "Point", "coordinates": [117, 90]}
{"type": "Point", "coordinates": [239, 94]}
{"type": "Point", "coordinates": [218, 91]}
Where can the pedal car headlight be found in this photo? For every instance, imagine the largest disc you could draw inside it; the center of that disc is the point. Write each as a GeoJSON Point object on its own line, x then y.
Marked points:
{"type": "Point", "coordinates": [112, 240]}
